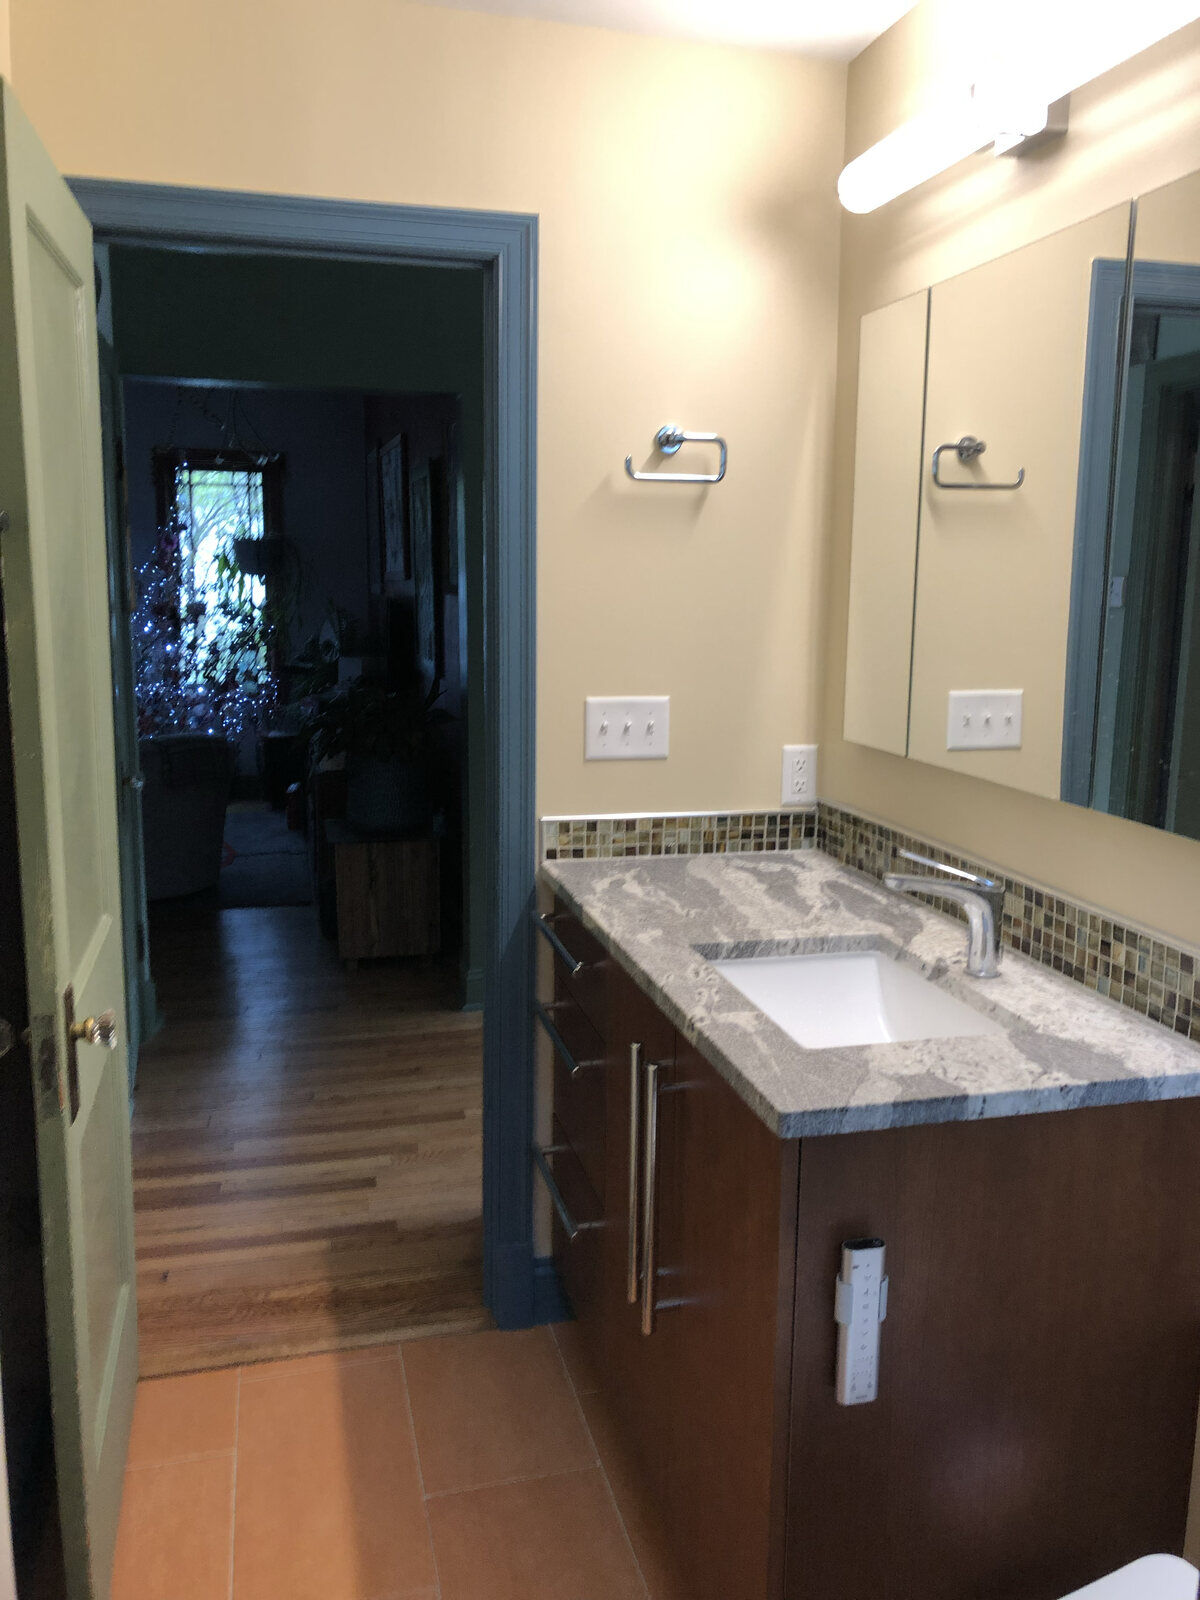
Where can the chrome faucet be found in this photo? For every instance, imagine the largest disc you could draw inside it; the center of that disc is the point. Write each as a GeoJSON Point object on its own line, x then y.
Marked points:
{"type": "Point", "coordinates": [981, 898]}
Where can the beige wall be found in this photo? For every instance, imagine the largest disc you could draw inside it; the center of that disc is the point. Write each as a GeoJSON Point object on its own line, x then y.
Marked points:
{"type": "Point", "coordinates": [1133, 130]}
{"type": "Point", "coordinates": [689, 240]}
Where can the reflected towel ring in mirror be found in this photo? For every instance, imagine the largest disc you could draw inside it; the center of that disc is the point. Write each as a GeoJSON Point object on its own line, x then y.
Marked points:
{"type": "Point", "coordinates": [667, 441]}
{"type": "Point", "coordinates": [967, 449]}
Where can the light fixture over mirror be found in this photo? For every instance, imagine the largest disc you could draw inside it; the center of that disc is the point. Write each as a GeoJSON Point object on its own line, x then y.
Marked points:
{"type": "Point", "coordinates": [1047, 52]}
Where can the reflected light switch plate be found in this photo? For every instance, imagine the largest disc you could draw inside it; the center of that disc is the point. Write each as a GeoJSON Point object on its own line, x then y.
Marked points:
{"type": "Point", "coordinates": [984, 719]}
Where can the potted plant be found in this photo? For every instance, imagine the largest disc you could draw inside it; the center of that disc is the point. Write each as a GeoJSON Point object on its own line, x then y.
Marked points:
{"type": "Point", "coordinates": [389, 740]}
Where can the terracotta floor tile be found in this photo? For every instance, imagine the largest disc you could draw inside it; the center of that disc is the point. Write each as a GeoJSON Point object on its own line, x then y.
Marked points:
{"type": "Point", "coordinates": [254, 1371]}
{"type": "Point", "coordinates": [176, 1531]}
{"type": "Point", "coordinates": [329, 1500]}
{"type": "Point", "coordinates": [641, 1520]}
{"type": "Point", "coordinates": [575, 1357]}
{"type": "Point", "coordinates": [189, 1416]}
{"type": "Point", "coordinates": [555, 1538]}
{"type": "Point", "coordinates": [493, 1406]}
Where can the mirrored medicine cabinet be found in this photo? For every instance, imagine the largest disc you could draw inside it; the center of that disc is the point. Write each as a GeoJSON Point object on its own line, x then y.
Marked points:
{"type": "Point", "coordinates": [1025, 558]}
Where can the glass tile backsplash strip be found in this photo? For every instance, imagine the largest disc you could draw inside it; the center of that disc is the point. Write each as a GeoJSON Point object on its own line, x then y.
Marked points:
{"type": "Point", "coordinates": [710, 833]}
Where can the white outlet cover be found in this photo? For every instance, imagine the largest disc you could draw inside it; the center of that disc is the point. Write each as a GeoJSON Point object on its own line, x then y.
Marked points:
{"type": "Point", "coordinates": [634, 728]}
{"type": "Point", "coordinates": [798, 778]}
{"type": "Point", "coordinates": [984, 719]}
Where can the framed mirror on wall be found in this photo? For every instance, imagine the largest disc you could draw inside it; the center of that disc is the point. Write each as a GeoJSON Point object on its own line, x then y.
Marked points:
{"type": "Point", "coordinates": [1026, 607]}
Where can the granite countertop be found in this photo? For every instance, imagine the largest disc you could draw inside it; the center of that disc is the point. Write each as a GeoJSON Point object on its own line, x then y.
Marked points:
{"type": "Point", "coordinates": [665, 919]}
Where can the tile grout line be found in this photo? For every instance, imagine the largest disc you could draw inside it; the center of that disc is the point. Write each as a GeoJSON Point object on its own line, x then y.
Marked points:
{"type": "Point", "coordinates": [237, 1433]}
{"type": "Point", "coordinates": [600, 1463]}
{"type": "Point", "coordinates": [507, 1483]}
{"type": "Point", "coordinates": [412, 1434]}
{"type": "Point", "coordinates": [177, 1461]}
{"type": "Point", "coordinates": [346, 1358]}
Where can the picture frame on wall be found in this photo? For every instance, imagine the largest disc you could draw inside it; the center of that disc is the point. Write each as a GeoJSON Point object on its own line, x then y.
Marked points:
{"type": "Point", "coordinates": [396, 540]}
{"type": "Point", "coordinates": [426, 565]}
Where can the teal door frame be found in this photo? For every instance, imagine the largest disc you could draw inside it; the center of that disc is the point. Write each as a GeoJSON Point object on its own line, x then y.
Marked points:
{"type": "Point", "coordinates": [504, 244]}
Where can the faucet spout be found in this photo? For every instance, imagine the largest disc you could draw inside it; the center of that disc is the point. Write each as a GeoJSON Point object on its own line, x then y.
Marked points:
{"type": "Point", "coordinates": [981, 898]}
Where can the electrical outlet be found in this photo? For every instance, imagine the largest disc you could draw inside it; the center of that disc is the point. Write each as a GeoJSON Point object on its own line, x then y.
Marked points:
{"type": "Point", "coordinates": [637, 728]}
{"type": "Point", "coordinates": [799, 775]}
{"type": "Point", "coordinates": [984, 719]}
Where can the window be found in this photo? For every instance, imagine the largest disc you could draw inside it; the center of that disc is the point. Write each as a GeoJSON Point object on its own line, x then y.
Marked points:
{"type": "Point", "coordinates": [216, 511]}
{"type": "Point", "coordinates": [206, 623]}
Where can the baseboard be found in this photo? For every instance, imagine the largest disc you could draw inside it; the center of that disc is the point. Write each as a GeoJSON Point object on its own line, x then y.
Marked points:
{"type": "Point", "coordinates": [549, 1302]}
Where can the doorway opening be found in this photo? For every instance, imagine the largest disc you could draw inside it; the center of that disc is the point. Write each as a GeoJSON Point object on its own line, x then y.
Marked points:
{"type": "Point", "coordinates": [307, 540]}
{"type": "Point", "coordinates": [306, 1139]}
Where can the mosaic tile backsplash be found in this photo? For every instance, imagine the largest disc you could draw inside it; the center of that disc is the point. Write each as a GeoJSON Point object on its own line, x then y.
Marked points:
{"type": "Point", "coordinates": [1130, 965]}
{"type": "Point", "coordinates": [715, 833]}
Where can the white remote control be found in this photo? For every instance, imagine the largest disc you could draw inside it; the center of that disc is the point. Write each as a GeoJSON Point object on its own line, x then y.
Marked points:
{"type": "Point", "coordinates": [860, 1305]}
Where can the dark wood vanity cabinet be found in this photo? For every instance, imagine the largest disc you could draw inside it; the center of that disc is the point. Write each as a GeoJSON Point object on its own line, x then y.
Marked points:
{"type": "Point", "coordinates": [1040, 1363]}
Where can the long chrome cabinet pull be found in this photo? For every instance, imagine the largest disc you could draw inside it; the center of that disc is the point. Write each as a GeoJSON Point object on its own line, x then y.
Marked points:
{"type": "Point", "coordinates": [541, 921]}
{"type": "Point", "coordinates": [650, 1198]}
{"type": "Point", "coordinates": [633, 1284]}
{"type": "Point", "coordinates": [571, 1228]}
{"type": "Point", "coordinates": [560, 1044]}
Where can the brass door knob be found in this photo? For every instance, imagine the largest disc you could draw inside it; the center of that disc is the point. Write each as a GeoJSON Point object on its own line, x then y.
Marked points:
{"type": "Point", "coordinates": [101, 1030]}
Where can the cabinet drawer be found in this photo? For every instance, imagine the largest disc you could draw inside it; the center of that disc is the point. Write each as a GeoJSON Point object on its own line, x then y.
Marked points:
{"type": "Point", "coordinates": [580, 1084]}
{"type": "Point", "coordinates": [581, 965]}
{"type": "Point", "coordinates": [578, 1259]}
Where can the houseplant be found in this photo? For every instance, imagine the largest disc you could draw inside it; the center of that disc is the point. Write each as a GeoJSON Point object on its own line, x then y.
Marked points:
{"type": "Point", "coordinates": [389, 740]}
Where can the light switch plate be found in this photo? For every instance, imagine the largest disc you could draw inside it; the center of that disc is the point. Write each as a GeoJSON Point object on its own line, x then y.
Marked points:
{"type": "Point", "coordinates": [798, 785]}
{"type": "Point", "coordinates": [636, 728]}
{"type": "Point", "coordinates": [984, 719]}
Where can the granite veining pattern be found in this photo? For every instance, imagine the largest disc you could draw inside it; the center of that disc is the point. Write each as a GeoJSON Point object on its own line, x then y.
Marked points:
{"type": "Point", "coordinates": [665, 919]}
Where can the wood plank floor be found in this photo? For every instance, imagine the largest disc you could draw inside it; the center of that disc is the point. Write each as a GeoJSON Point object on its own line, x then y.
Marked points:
{"type": "Point", "coordinates": [307, 1163]}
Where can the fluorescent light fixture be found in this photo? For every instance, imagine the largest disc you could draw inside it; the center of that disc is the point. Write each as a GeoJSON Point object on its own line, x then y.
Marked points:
{"type": "Point", "coordinates": [916, 151]}
{"type": "Point", "coordinates": [1054, 54]}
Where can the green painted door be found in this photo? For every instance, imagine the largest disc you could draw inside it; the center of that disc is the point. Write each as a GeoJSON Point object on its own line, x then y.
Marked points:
{"type": "Point", "coordinates": [53, 570]}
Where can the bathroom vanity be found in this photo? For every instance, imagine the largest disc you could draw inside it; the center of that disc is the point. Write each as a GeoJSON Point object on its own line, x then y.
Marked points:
{"type": "Point", "coordinates": [1033, 1182]}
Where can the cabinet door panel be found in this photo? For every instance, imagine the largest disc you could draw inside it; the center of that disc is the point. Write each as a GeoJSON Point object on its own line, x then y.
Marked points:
{"type": "Point", "coordinates": [1040, 1360]}
{"type": "Point", "coordinates": [727, 1253]}
{"type": "Point", "coordinates": [633, 1363]}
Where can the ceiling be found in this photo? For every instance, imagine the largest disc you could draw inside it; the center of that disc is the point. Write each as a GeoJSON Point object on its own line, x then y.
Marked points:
{"type": "Point", "coordinates": [838, 29]}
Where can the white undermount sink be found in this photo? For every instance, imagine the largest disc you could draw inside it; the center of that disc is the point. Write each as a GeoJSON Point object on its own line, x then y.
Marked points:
{"type": "Point", "coordinates": [846, 997]}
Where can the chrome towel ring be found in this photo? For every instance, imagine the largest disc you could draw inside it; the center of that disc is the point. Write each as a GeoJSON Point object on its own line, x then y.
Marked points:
{"type": "Point", "coordinates": [967, 449]}
{"type": "Point", "coordinates": [667, 441]}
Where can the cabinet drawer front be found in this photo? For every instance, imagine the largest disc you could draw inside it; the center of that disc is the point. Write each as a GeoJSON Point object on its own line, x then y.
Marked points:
{"type": "Point", "coordinates": [578, 1260]}
{"type": "Point", "coordinates": [584, 977]}
{"type": "Point", "coordinates": [580, 1087]}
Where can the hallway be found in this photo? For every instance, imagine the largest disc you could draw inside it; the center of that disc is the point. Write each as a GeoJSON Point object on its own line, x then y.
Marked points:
{"type": "Point", "coordinates": [306, 1146]}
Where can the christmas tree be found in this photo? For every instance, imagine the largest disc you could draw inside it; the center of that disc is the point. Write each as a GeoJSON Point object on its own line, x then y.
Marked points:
{"type": "Point", "coordinates": [200, 639]}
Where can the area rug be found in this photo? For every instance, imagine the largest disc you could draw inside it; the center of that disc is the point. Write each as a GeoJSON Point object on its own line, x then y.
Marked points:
{"type": "Point", "coordinates": [263, 864]}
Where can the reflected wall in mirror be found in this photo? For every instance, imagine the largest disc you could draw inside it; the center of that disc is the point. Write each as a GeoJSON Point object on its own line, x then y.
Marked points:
{"type": "Point", "coordinates": [1007, 356]}
{"type": "Point", "coordinates": [1076, 358]}
{"type": "Point", "coordinates": [887, 494]}
{"type": "Point", "coordinates": [1145, 746]}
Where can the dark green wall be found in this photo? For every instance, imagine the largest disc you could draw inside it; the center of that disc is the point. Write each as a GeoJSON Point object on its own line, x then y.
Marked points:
{"type": "Point", "coordinates": [297, 321]}
{"type": "Point", "coordinates": [309, 323]}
